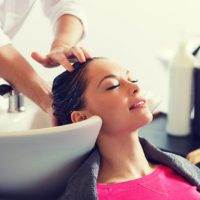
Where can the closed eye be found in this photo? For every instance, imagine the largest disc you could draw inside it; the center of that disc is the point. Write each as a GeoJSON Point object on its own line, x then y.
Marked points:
{"type": "Point", "coordinates": [115, 86]}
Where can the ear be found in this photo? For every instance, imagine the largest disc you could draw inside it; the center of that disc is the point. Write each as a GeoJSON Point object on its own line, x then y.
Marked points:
{"type": "Point", "coordinates": [77, 116]}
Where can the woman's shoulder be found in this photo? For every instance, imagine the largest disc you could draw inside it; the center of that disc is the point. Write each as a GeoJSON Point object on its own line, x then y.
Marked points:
{"type": "Point", "coordinates": [178, 163]}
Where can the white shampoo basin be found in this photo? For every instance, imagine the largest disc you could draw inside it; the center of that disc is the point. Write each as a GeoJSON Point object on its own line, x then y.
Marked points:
{"type": "Point", "coordinates": [38, 161]}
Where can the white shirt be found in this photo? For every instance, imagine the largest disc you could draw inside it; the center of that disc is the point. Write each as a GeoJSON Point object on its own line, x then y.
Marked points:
{"type": "Point", "coordinates": [14, 12]}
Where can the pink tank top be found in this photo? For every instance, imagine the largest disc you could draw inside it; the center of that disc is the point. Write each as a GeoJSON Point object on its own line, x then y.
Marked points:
{"type": "Point", "coordinates": [162, 184]}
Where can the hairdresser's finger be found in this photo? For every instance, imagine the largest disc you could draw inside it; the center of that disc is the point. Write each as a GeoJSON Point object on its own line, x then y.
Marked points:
{"type": "Point", "coordinates": [44, 60]}
{"type": "Point", "coordinates": [86, 53]}
{"type": "Point", "coordinates": [39, 58]}
{"type": "Point", "coordinates": [62, 60]}
{"type": "Point", "coordinates": [78, 53]}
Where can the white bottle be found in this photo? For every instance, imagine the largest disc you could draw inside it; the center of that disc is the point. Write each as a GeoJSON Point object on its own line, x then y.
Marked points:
{"type": "Point", "coordinates": [180, 100]}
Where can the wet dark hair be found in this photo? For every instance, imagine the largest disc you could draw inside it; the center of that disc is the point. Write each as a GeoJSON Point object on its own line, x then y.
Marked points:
{"type": "Point", "coordinates": [68, 92]}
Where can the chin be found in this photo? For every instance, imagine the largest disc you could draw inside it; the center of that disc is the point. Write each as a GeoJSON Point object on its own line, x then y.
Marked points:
{"type": "Point", "coordinates": [142, 120]}
{"type": "Point", "coordinates": [147, 117]}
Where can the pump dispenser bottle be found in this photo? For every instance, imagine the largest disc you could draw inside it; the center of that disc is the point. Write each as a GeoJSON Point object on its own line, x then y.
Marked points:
{"type": "Point", "coordinates": [180, 100]}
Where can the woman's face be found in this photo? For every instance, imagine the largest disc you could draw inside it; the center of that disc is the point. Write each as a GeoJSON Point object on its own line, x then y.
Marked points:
{"type": "Point", "coordinates": [113, 95]}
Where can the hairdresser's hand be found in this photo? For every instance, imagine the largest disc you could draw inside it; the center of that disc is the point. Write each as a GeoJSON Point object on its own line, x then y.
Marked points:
{"type": "Point", "coordinates": [194, 156]}
{"type": "Point", "coordinates": [62, 55]}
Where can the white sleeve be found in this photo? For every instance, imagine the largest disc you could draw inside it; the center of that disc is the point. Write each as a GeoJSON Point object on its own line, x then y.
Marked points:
{"type": "Point", "coordinates": [53, 9]}
{"type": "Point", "coordinates": [4, 39]}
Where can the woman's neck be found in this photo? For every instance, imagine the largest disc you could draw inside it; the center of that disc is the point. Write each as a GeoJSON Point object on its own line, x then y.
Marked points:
{"type": "Point", "coordinates": [122, 158]}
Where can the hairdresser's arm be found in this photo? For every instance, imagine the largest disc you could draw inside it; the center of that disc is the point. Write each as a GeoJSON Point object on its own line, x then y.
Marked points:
{"type": "Point", "coordinates": [18, 72]}
{"type": "Point", "coordinates": [69, 31]}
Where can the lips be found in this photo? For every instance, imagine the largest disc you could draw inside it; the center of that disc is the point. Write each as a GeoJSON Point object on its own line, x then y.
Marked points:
{"type": "Point", "coordinates": [138, 104]}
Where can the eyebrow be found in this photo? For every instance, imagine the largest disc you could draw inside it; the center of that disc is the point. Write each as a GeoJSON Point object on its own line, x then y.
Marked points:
{"type": "Point", "coordinates": [110, 76]}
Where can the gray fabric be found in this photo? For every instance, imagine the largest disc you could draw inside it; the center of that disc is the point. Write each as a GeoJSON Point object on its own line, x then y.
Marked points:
{"type": "Point", "coordinates": [82, 183]}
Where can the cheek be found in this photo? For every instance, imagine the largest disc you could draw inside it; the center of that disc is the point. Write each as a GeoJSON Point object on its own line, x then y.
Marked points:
{"type": "Point", "coordinates": [114, 106]}
{"type": "Point", "coordinates": [113, 113]}
{"type": "Point", "coordinates": [108, 107]}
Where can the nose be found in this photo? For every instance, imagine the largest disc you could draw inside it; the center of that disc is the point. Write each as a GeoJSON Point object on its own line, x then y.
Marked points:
{"type": "Point", "coordinates": [133, 88]}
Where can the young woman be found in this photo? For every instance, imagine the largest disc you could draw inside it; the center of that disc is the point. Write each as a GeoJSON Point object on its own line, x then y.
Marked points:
{"type": "Point", "coordinates": [122, 166]}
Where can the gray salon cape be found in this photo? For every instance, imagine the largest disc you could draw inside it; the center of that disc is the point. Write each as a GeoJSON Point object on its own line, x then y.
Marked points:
{"type": "Point", "coordinates": [81, 185]}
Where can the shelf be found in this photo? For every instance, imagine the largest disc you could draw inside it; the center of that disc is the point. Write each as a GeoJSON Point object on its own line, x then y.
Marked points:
{"type": "Point", "coordinates": [155, 132]}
